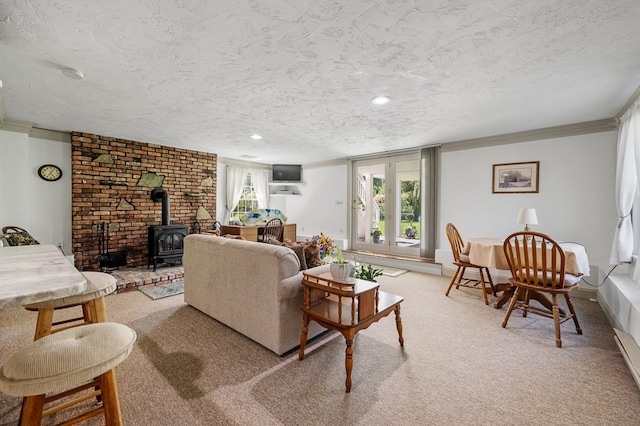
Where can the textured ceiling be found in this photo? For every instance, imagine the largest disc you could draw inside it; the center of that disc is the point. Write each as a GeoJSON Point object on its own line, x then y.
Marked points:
{"type": "Point", "coordinates": [205, 75]}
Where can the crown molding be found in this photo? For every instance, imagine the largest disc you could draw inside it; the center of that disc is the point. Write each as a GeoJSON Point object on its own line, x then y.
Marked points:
{"type": "Point", "coordinates": [631, 101]}
{"type": "Point", "coordinates": [388, 153]}
{"type": "Point", "coordinates": [35, 132]}
{"type": "Point", "coordinates": [249, 164]}
{"type": "Point", "coordinates": [242, 163]}
{"type": "Point", "coordinates": [596, 126]}
{"type": "Point", "coordinates": [17, 126]}
{"type": "Point", "coordinates": [51, 135]}
{"type": "Point", "coordinates": [328, 163]}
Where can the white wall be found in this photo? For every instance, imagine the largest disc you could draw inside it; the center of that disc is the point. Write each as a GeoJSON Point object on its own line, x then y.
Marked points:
{"type": "Point", "coordinates": [320, 207]}
{"type": "Point", "coordinates": [576, 201]}
{"type": "Point", "coordinates": [14, 178]}
{"type": "Point", "coordinates": [42, 208]}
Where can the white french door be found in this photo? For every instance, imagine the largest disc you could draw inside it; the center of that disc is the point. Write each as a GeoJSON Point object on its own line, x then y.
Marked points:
{"type": "Point", "coordinates": [386, 205]}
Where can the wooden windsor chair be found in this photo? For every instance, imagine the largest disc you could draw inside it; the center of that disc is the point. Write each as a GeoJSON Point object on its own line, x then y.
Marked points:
{"type": "Point", "coordinates": [537, 264]}
{"type": "Point", "coordinates": [462, 262]}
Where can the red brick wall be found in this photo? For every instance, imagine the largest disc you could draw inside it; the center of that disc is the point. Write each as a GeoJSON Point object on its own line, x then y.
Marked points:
{"type": "Point", "coordinates": [98, 188]}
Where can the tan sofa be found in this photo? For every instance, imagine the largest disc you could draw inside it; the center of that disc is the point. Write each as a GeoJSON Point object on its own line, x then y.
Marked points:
{"type": "Point", "coordinates": [254, 288]}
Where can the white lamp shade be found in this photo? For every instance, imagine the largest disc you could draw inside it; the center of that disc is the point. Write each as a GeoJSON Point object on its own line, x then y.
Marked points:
{"type": "Point", "coordinates": [527, 216]}
{"type": "Point", "coordinates": [202, 214]}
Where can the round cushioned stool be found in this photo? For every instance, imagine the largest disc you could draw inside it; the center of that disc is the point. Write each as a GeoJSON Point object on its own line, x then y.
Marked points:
{"type": "Point", "coordinates": [73, 360]}
{"type": "Point", "coordinates": [94, 310]}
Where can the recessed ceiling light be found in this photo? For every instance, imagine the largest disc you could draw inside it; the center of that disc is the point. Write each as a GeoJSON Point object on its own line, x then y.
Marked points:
{"type": "Point", "coordinates": [380, 100]}
{"type": "Point", "coordinates": [256, 136]}
{"type": "Point", "coordinates": [73, 73]}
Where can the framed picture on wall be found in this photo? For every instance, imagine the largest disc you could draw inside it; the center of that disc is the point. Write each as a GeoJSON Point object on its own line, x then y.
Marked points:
{"type": "Point", "coordinates": [516, 178]}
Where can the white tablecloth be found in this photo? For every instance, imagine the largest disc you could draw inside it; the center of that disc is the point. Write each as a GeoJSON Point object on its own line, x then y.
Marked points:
{"type": "Point", "coordinates": [489, 252]}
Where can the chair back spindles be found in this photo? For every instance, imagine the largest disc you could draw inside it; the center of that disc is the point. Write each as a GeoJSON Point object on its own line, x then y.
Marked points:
{"type": "Point", "coordinates": [536, 259]}
{"type": "Point", "coordinates": [273, 230]}
{"type": "Point", "coordinates": [463, 263]}
{"type": "Point", "coordinates": [457, 245]}
{"type": "Point", "coordinates": [537, 265]}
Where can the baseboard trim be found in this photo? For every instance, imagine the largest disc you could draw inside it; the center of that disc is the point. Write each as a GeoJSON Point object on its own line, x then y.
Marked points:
{"type": "Point", "coordinates": [630, 352]}
{"type": "Point", "coordinates": [418, 265]}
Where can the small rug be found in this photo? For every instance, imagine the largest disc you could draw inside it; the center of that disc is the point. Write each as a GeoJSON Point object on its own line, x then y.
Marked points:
{"type": "Point", "coordinates": [164, 290]}
{"type": "Point", "coordinates": [391, 272]}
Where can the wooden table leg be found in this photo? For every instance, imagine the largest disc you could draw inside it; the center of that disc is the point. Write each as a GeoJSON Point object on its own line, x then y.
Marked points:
{"type": "Point", "coordinates": [303, 335]}
{"type": "Point", "coordinates": [507, 291]}
{"type": "Point", "coordinates": [348, 362]}
{"type": "Point", "coordinates": [399, 324]}
{"type": "Point", "coordinates": [507, 294]}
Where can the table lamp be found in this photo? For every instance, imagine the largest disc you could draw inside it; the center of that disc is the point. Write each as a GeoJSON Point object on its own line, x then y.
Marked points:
{"type": "Point", "coordinates": [528, 217]}
{"type": "Point", "coordinates": [201, 214]}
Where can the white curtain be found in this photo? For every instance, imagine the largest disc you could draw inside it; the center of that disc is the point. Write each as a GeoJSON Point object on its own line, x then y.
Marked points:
{"type": "Point", "coordinates": [634, 135]}
{"type": "Point", "coordinates": [235, 182]}
{"type": "Point", "coordinates": [260, 179]}
{"type": "Point", "coordinates": [626, 184]}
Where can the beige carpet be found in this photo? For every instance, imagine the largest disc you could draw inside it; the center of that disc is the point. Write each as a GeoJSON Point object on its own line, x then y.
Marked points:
{"type": "Point", "coordinates": [458, 367]}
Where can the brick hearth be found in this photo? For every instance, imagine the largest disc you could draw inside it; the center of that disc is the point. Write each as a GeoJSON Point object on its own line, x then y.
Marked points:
{"type": "Point", "coordinates": [130, 279]}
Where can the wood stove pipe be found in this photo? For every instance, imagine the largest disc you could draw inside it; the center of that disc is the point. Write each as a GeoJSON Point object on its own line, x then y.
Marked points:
{"type": "Point", "coordinates": [159, 194]}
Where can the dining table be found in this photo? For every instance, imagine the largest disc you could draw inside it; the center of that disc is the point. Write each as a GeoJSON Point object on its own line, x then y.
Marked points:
{"type": "Point", "coordinates": [36, 273]}
{"type": "Point", "coordinates": [489, 252]}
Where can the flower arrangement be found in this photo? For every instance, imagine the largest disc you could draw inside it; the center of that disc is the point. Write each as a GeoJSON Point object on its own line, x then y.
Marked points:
{"type": "Point", "coordinates": [325, 243]}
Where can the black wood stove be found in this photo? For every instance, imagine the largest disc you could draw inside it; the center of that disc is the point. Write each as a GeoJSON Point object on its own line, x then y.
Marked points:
{"type": "Point", "coordinates": [166, 240]}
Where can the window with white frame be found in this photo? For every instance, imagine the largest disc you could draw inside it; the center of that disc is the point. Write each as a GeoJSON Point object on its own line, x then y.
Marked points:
{"type": "Point", "coordinates": [248, 201]}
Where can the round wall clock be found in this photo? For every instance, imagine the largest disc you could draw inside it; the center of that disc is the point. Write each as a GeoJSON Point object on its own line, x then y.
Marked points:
{"type": "Point", "coordinates": [50, 172]}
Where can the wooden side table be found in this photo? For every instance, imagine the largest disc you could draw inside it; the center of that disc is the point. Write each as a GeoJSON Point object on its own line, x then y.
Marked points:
{"type": "Point", "coordinates": [347, 307]}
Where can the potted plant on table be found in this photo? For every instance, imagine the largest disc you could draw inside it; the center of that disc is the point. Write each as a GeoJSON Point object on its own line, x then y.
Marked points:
{"type": "Point", "coordinates": [341, 268]}
{"type": "Point", "coordinates": [367, 272]}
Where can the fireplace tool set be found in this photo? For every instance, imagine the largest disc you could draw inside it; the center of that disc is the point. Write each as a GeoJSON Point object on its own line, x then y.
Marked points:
{"type": "Point", "coordinates": [108, 259]}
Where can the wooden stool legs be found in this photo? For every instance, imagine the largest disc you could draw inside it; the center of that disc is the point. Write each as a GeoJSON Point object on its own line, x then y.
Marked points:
{"type": "Point", "coordinates": [32, 408]}
{"type": "Point", "coordinates": [93, 311]}
{"type": "Point", "coordinates": [106, 393]}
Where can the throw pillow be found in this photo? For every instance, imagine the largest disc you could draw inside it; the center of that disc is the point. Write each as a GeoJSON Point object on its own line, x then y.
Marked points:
{"type": "Point", "coordinates": [312, 253]}
{"type": "Point", "coordinates": [20, 238]}
{"type": "Point", "coordinates": [297, 249]}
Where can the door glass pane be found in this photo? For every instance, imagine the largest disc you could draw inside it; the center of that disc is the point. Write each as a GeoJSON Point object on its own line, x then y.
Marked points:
{"type": "Point", "coordinates": [370, 193]}
{"type": "Point", "coordinates": [407, 208]}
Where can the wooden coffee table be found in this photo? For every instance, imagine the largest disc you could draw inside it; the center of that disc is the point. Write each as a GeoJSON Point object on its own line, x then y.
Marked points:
{"type": "Point", "coordinates": [347, 307]}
